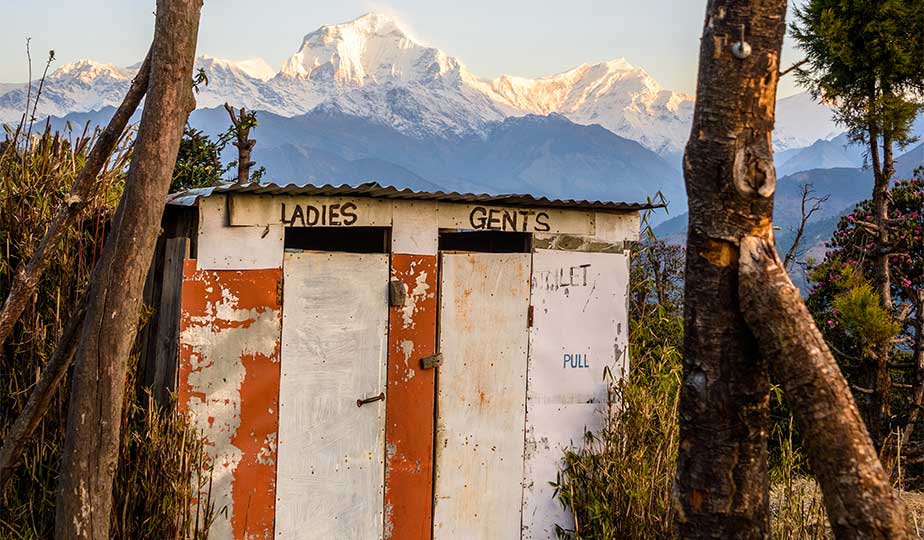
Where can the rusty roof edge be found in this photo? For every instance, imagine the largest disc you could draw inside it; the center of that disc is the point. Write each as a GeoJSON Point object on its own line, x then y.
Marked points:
{"type": "Point", "coordinates": [378, 191]}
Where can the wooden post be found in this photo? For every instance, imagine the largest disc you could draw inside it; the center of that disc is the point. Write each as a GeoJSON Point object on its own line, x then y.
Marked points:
{"type": "Point", "coordinates": [176, 250]}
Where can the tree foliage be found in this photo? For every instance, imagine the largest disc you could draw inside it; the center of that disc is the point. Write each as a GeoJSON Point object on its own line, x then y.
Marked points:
{"type": "Point", "coordinates": [864, 57]}
{"type": "Point", "coordinates": [198, 163]}
{"type": "Point", "coordinates": [848, 309]}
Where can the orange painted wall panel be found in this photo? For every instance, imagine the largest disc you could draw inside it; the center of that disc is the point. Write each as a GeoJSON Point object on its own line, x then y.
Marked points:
{"type": "Point", "coordinates": [410, 402]}
{"type": "Point", "coordinates": [230, 328]}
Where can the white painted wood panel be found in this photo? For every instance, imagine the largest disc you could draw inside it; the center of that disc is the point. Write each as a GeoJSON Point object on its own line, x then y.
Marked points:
{"type": "Point", "coordinates": [579, 330]}
{"type": "Point", "coordinates": [235, 248]}
{"type": "Point", "coordinates": [415, 229]}
{"type": "Point", "coordinates": [622, 227]}
{"type": "Point", "coordinates": [481, 396]}
{"type": "Point", "coordinates": [330, 474]}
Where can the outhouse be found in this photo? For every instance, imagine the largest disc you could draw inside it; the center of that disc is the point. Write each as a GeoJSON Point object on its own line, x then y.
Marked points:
{"type": "Point", "coordinates": [371, 363]}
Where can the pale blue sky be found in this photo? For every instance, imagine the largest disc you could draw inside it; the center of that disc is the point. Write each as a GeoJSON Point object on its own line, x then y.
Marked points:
{"type": "Point", "coordinates": [518, 37]}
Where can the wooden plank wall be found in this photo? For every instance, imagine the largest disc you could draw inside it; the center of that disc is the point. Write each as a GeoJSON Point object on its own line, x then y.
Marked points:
{"type": "Point", "coordinates": [484, 301]}
{"type": "Point", "coordinates": [332, 451]}
{"type": "Point", "coordinates": [409, 416]}
{"type": "Point", "coordinates": [411, 390]}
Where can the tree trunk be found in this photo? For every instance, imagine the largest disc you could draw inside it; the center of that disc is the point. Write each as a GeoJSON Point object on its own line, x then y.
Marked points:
{"type": "Point", "coordinates": [721, 487]}
{"type": "Point", "coordinates": [27, 278]}
{"type": "Point", "coordinates": [917, 395]}
{"type": "Point", "coordinates": [881, 399]}
{"type": "Point", "coordinates": [858, 496]}
{"type": "Point", "coordinates": [84, 499]}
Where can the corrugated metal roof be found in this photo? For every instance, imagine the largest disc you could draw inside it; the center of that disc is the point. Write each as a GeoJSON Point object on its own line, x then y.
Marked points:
{"type": "Point", "coordinates": [378, 191]}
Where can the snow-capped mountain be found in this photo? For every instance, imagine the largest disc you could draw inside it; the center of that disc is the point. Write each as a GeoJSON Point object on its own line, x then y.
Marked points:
{"type": "Point", "coordinates": [800, 121]}
{"type": "Point", "coordinates": [371, 68]}
{"type": "Point", "coordinates": [615, 94]}
{"type": "Point", "coordinates": [82, 86]}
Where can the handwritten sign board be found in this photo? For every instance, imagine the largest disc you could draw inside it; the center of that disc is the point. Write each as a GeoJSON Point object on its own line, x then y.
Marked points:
{"type": "Point", "coordinates": [299, 211]}
{"type": "Point", "coordinates": [293, 211]}
{"type": "Point", "coordinates": [578, 334]}
{"type": "Point", "coordinates": [515, 219]}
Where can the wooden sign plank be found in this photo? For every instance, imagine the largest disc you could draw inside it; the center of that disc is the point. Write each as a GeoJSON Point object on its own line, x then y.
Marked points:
{"type": "Point", "coordinates": [578, 333]}
{"type": "Point", "coordinates": [296, 211]}
{"type": "Point", "coordinates": [512, 219]}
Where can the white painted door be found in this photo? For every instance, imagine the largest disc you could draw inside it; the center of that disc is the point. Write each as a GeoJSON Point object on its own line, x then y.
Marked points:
{"type": "Point", "coordinates": [579, 330]}
{"type": "Point", "coordinates": [484, 299]}
{"type": "Point", "coordinates": [330, 472]}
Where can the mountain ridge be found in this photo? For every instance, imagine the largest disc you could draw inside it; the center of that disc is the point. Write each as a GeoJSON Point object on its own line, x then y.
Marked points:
{"type": "Point", "coordinates": [371, 67]}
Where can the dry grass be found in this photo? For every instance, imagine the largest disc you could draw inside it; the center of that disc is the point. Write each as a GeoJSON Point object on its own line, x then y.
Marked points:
{"type": "Point", "coordinates": [798, 511]}
{"type": "Point", "coordinates": [161, 453]}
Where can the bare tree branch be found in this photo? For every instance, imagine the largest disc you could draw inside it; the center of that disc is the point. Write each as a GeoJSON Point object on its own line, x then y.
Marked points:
{"type": "Point", "coordinates": [810, 205]}
{"type": "Point", "coordinates": [793, 67]}
{"type": "Point", "coordinates": [243, 121]}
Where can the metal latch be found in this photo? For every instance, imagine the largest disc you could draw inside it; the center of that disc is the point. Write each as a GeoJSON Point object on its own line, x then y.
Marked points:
{"type": "Point", "coordinates": [397, 293]}
{"type": "Point", "coordinates": [361, 402]}
{"type": "Point", "coordinates": [432, 361]}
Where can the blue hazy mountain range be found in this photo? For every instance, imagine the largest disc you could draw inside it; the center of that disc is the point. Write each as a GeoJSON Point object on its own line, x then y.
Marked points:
{"type": "Point", "coordinates": [541, 155]}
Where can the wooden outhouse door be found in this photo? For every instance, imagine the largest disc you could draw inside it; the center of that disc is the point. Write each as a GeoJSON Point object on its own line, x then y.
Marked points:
{"type": "Point", "coordinates": [577, 347]}
{"type": "Point", "coordinates": [330, 470]}
{"type": "Point", "coordinates": [484, 301]}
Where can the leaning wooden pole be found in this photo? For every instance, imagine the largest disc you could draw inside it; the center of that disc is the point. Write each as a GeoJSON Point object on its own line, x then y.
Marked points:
{"type": "Point", "coordinates": [859, 499]}
{"type": "Point", "coordinates": [84, 500]}
{"type": "Point", "coordinates": [720, 489]}
{"type": "Point", "coordinates": [27, 278]}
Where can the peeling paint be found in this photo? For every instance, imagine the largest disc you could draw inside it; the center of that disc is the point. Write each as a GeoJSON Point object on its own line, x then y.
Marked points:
{"type": "Point", "coordinates": [409, 416]}
{"type": "Point", "coordinates": [228, 383]}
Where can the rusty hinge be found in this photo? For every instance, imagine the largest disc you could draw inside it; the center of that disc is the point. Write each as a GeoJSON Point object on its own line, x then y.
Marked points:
{"type": "Point", "coordinates": [279, 293]}
{"type": "Point", "coordinates": [432, 361]}
{"type": "Point", "coordinates": [397, 293]}
{"type": "Point", "coordinates": [529, 317]}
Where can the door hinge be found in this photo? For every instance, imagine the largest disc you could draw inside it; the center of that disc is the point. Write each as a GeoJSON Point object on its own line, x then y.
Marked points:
{"type": "Point", "coordinates": [529, 317]}
{"type": "Point", "coordinates": [279, 293]}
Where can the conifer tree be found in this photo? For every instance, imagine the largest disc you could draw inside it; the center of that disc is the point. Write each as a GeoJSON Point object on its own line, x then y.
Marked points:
{"type": "Point", "coordinates": [865, 58]}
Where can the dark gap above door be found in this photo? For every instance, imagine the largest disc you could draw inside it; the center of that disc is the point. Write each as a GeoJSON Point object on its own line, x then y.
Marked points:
{"type": "Point", "coordinates": [486, 241]}
{"type": "Point", "coordinates": [346, 239]}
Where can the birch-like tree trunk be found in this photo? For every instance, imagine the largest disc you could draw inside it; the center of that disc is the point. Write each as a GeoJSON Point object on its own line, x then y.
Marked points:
{"type": "Point", "coordinates": [84, 499]}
